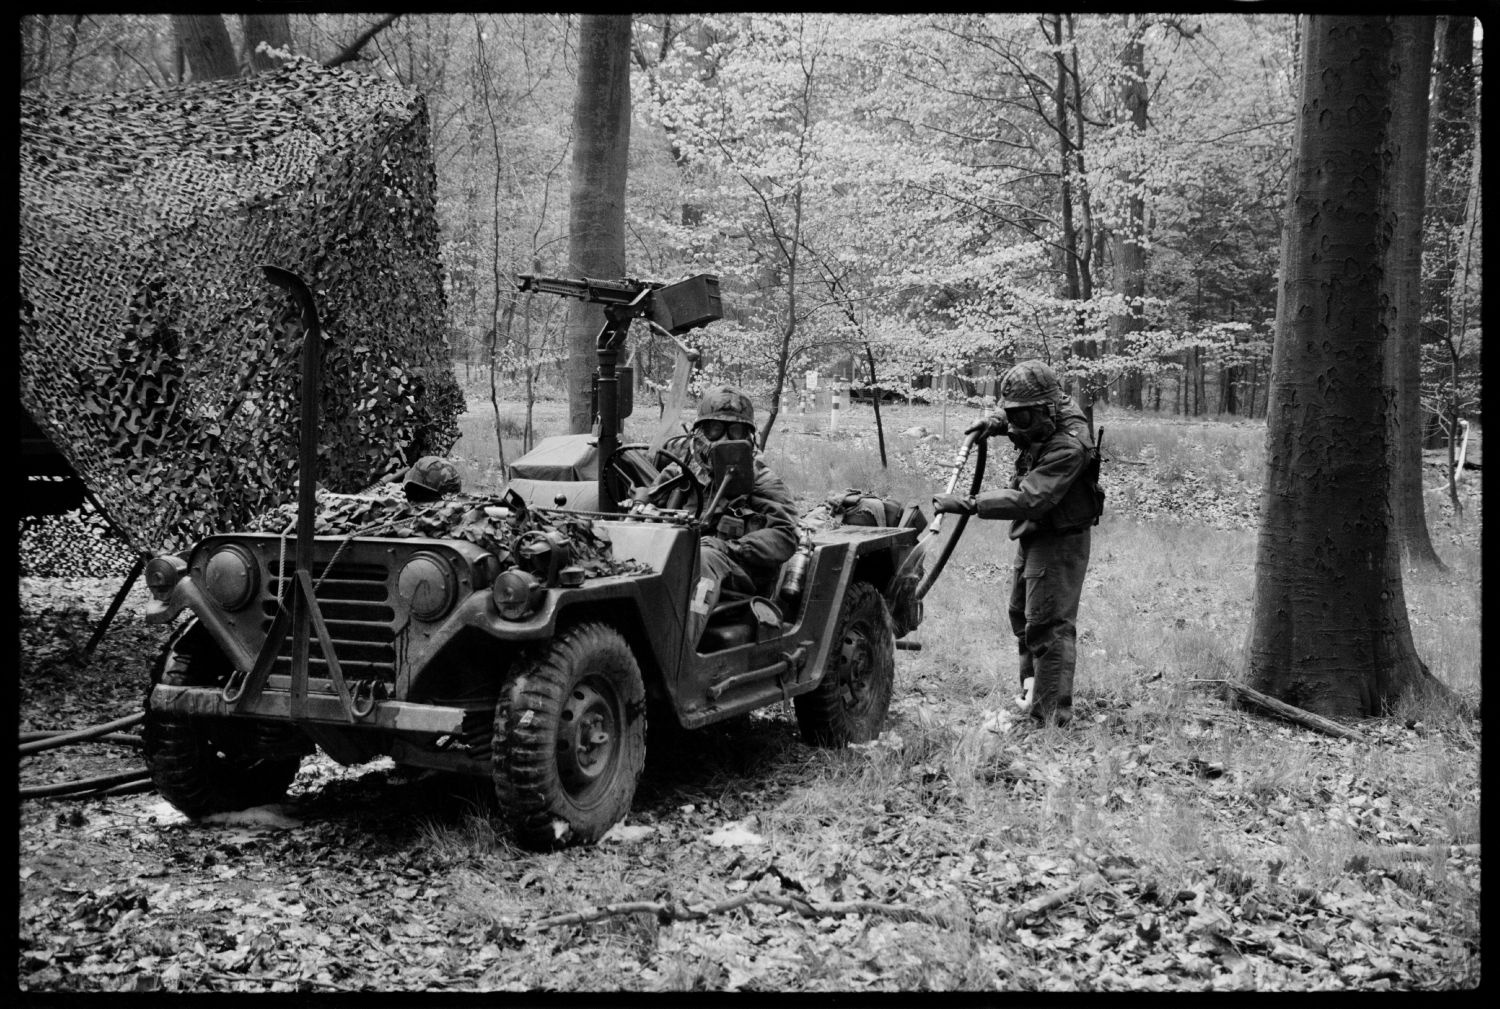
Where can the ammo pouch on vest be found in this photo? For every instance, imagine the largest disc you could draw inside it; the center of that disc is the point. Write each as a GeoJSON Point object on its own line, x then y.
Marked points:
{"type": "Point", "coordinates": [736, 522]}
{"type": "Point", "coordinates": [1083, 503]}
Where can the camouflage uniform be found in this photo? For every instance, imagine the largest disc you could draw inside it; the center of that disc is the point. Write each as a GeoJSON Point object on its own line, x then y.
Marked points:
{"type": "Point", "coordinates": [747, 564]}
{"type": "Point", "coordinates": [1052, 512]}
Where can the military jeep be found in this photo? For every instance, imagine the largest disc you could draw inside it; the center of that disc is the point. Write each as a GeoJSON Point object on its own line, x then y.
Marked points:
{"type": "Point", "coordinates": [507, 636]}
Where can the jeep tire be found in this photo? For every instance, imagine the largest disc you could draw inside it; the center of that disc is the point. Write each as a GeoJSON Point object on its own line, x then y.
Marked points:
{"type": "Point", "coordinates": [214, 765]}
{"type": "Point", "coordinates": [570, 739]}
{"type": "Point", "coordinates": [850, 702]}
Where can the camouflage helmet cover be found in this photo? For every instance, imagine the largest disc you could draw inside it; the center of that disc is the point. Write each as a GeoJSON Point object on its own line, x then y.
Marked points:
{"type": "Point", "coordinates": [1029, 383]}
{"type": "Point", "coordinates": [726, 403]}
{"type": "Point", "coordinates": [435, 474]}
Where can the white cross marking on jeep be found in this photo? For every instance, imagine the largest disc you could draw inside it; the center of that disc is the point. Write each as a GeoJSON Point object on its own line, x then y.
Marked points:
{"type": "Point", "coordinates": [700, 596]}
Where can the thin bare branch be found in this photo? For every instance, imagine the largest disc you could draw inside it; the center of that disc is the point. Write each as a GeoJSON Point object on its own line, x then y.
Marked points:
{"type": "Point", "coordinates": [352, 50]}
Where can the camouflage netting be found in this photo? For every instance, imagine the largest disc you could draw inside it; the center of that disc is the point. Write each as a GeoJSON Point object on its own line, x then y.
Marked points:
{"type": "Point", "coordinates": [153, 351]}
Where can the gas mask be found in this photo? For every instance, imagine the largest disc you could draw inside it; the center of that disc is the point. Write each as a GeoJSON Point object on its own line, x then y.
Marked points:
{"type": "Point", "coordinates": [716, 441]}
{"type": "Point", "coordinates": [1031, 425]}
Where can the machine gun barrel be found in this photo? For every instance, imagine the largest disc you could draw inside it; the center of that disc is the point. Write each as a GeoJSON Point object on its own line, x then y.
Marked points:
{"type": "Point", "coordinates": [675, 308]}
{"type": "Point", "coordinates": [602, 292]}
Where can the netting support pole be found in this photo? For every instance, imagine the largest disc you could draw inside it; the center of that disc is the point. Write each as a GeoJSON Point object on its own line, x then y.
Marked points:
{"type": "Point", "coordinates": [114, 606]}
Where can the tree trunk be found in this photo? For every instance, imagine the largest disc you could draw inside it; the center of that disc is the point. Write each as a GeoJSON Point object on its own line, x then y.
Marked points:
{"type": "Point", "coordinates": [1130, 250]}
{"type": "Point", "coordinates": [1329, 629]}
{"type": "Point", "coordinates": [875, 401]}
{"type": "Point", "coordinates": [205, 41]}
{"type": "Point", "coordinates": [1227, 378]}
{"type": "Point", "coordinates": [1451, 147]}
{"type": "Point", "coordinates": [1072, 262]}
{"type": "Point", "coordinates": [1452, 152]}
{"type": "Point", "coordinates": [1200, 389]}
{"type": "Point", "coordinates": [596, 214]}
{"type": "Point", "coordinates": [274, 30]}
{"type": "Point", "coordinates": [1403, 272]}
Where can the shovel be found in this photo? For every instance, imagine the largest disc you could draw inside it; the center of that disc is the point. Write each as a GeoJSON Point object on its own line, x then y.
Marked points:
{"type": "Point", "coordinates": [940, 535]}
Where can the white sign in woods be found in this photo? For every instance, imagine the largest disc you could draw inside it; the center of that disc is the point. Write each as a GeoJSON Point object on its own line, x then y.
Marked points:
{"type": "Point", "coordinates": [810, 378]}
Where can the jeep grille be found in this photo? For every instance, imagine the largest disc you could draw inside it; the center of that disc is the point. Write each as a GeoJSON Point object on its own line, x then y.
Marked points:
{"type": "Point", "coordinates": [355, 600]}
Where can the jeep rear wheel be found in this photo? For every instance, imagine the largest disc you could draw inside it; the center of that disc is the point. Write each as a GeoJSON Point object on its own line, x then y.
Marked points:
{"type": "Point", "coordinates": [849, 703]}
{"type": "Point", "coordinates": [570, 739]}
{"type": "Point", "coordinates": [214, 765]}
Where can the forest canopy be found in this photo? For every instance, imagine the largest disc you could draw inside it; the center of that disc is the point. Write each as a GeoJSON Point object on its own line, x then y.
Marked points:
{"type": "Point", "coordinates": [892, 199]}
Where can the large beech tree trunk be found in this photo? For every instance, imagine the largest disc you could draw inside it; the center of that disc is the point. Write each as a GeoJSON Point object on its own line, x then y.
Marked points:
{"type": "Point", "coordinates": [596, 216]}
{"type": "Point", "coordinates": [1408, 129]}
{"type": "Point", "coordinates": [205, 41]}
{"type": "Point", "coordinates": [1329, 630]}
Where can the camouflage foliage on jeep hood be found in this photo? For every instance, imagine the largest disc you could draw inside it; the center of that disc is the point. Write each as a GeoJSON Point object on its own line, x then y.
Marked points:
{"type": "Point", "coordinates": [153, 351]}
{"type": "Point", "coordinates": [489, 521]}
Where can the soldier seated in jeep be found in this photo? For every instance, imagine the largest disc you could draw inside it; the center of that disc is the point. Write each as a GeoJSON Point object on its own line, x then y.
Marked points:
{"type": "Point", "coordinates": [748, 536]}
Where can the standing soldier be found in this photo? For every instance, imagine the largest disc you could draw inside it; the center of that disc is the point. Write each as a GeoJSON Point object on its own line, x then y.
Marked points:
{"type": "Point", "coordinates": [1053, 502]}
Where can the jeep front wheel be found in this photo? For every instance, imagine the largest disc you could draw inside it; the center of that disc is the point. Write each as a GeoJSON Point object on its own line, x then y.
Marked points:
{"type": "Point", "coordinates": [849, 703]}
{"type": "Point", "coordinates": [570, 739]}
{"type": "Point", "coordinates": [214, 765]}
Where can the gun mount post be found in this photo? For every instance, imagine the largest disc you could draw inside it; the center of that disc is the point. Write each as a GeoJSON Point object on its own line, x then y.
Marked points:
{"type": "Point", "coordinates": [607, 347]}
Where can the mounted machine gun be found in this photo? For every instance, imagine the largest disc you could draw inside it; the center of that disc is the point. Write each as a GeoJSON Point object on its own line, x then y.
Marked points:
{"type": "Point", "coordinates": [672, 309]}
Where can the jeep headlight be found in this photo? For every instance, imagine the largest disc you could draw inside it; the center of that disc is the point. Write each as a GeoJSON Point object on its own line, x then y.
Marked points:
{"type": "Point", "coordinates": [164, 572]}
{"type": "Point", "coordinates": [517, 594]}
{"type": "Point", "coordinates": [230, 577]}
{"type": "Point", "coordinates": [428, 584]}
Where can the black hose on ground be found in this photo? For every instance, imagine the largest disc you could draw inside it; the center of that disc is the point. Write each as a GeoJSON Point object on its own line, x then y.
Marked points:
{"type": "Point", "coordinates": [119, 783]}
{"type": "Point", "coordinates": [128, 738]}
{"type": "Point", "coordinates": [78, 735]}
{"type": "Point", "coordinates": [139, 776]}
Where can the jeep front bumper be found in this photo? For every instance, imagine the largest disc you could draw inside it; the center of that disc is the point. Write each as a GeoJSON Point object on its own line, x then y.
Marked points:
{"type": "Point", "coordinates": [321, 704]}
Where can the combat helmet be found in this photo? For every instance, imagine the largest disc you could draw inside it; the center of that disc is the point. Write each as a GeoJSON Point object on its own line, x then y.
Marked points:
{"type": "Point", "coordinates": [1030, 383]}
{"type": "Point", "coordinates": [431, 477]}
{"type": "Point", "coordinates": [728, 404]}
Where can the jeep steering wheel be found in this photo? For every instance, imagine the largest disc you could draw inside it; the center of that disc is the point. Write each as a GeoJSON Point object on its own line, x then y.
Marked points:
{"type": "Point", "coordinates": [685, 476]}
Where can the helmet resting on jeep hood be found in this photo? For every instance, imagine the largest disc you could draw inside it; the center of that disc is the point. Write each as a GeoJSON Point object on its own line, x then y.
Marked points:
{"type": "Point", "coordinates": [1029, 383]}
{"type": "Point", "coordinates": [431, 477]}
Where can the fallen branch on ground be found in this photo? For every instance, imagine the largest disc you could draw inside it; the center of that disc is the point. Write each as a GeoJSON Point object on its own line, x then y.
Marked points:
{"type": "Point", "coordinates": [1411, 851]}
{"type": "Point", "coordinates": [1048, 901]}
{"type": "Point", "coordinates": [1290, 712]}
